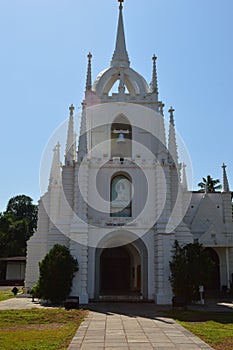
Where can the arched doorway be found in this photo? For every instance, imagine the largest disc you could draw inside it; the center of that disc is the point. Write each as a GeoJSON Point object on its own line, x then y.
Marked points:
{"type": "Point", "coordinates": [121, 269]}
{"type": "Point", "coordinates": [115, 270]}
{"type": "Point", "coordinates": [214, 281]}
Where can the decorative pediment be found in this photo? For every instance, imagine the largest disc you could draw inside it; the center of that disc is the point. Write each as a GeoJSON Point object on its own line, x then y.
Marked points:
{"type": "Point", "coordinates": [207, 216]}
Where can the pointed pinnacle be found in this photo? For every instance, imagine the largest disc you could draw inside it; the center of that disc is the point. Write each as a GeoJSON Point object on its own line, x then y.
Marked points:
{"type": "Point", "coordinates": [120, 56]}
{"type": "Point", "coordinates": [171, 110]}
{"type": "Point", "coordinates": [154, 81]}
{"type": "Point", "coordinates": [225, 183]}
{"type": "Point", "coordinates": [89, 78]}
{"type": "Point", "coordinates": [71, 108]}
{"type": "Point", "coordinates": [172, 145]}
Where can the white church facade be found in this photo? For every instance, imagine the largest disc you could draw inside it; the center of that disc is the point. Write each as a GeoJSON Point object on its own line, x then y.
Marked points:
{"type": "Point", "coordinates": [120, 199]}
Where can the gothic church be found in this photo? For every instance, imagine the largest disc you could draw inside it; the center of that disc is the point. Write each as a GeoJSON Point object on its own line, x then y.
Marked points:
{"type": "Point", "coordinates": [120, 199]}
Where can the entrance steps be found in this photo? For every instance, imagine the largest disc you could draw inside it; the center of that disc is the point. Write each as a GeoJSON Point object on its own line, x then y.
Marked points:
{"type": "Point", "coordinates": [128, 298]}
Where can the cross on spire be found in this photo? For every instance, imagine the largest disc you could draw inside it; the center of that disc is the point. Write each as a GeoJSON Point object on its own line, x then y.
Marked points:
{"type": "Point", "coordinates": [71, 108]}
{"type": "Point", "coordinates": [121, 1]}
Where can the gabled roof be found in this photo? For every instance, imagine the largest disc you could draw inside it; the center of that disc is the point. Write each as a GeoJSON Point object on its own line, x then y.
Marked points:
{"type": "Point", "coordinates": [207, 215]}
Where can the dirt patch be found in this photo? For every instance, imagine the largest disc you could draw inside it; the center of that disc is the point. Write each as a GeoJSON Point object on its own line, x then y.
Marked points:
{"type": "Point", "coordinates": [29, 327]}
{"type": "Point", "coordinates": [226, 344]}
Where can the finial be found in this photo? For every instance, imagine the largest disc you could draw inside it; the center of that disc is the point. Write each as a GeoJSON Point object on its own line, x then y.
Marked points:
{"type": "Point", "coordinates": [121, 6]}
{"type": "Point", "coordinates": [172, 145]}
{"type": "Point", "coordinates": [154, 81]}
{"type": "Point", "coordinates": [89, 79]}
{"type": "Point", "coordinates": [171, 110]}
{"type": "Point", "coordinates": [71, 108]}
{"type": "Point", "coordinates": [55, 172]}
{"type": "Point", "coordinates": [225, 183]}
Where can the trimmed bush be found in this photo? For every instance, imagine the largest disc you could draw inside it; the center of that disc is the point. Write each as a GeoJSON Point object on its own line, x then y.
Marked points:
{"type": "Point", "coordinates": [57, 270]}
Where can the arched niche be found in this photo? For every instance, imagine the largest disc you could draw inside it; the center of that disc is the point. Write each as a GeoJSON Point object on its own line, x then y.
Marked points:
{"type": "Point", "coordinates": [121, 195]}
{"type": "Point", "coordinates": [121, 138]}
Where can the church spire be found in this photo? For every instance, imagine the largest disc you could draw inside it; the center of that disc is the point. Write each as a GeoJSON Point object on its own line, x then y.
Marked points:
{"type": "Point", "coordinates": [154, 81]}
{"type": "Point", "coordinates": [89, 79]}
{"type": "Point", "coordinates": [120, 56]}
{"type": "Point", "coordinates": [172, 146]}
{"type": "Point", "coordinates": [55, 173]}
{"type": "Point", "coordinates": [225, 183]}
{"type": "Point", "coordinates": [70, 154]}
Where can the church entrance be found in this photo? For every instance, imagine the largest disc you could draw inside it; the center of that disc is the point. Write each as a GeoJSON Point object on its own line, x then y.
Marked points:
{"type": "Point", "coordinates": [115, 271]}
{"type": "Point", "coordinates": [121, 271]}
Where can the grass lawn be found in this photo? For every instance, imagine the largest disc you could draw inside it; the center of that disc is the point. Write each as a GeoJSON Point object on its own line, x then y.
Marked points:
{"type": "Point", "coordinates": [215, 328]}
{"type": "Point", "coordinates": [6, 294]}
{"type": "Point", "coordinates": [38, 329]}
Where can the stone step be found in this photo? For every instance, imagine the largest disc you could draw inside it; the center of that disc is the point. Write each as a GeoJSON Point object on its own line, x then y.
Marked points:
{"type": "Point", "coordinates": [120, 297]}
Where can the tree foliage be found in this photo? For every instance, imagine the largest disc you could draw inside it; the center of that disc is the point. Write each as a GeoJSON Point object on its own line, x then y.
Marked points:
{"type": "Point", "coordinates": [21, 207]}
{"type": "Point", "coordinates": [17, 224]}
{"type": "Point", "coordinates": [190, 267]}
{"type": "Point", "coordinates": [209, 184]}
{"type": "Point", "coordinates": [57, 270]}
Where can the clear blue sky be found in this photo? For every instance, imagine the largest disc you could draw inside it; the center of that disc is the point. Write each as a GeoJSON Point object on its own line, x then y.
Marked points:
{"type": "Point", "coordinates": [44, 44]}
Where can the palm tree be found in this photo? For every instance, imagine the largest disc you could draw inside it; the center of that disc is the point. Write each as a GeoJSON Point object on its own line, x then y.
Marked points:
{"type": "Point", "coordinates": [208, 184]}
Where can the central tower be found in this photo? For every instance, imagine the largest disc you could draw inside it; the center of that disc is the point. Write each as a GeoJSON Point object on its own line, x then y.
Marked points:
{"type": "Point", "coordinates": [118, 203]}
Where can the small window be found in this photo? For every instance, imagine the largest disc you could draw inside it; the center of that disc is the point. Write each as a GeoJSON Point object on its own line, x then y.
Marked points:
{"type": "Point", "coordinates": [121, 196]}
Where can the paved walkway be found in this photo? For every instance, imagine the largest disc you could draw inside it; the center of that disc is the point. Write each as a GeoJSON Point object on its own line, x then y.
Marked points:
{"type": "Point", "coordinates": [19, 304]}
{"type": "Point", "coordinates": [133, 327]}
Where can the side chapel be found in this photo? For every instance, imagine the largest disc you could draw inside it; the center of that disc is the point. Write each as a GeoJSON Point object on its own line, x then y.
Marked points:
{"type": "Point", "coordinates": [120, 199]}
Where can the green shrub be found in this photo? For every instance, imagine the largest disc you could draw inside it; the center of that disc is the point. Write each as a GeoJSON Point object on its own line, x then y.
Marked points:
{"type": "Point", "coordinates": [190, 267]}
{"type": "Point", "coordinates": [57, 270]}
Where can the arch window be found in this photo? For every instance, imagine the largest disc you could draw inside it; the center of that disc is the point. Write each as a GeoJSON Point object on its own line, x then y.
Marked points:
{"type": "Point", "coordinates": [121, 204]}
{"type": "Point", "coordinates": [121, 138]}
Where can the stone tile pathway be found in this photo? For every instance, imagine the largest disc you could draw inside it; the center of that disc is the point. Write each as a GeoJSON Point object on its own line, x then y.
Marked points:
{"type": "Point", "coordinates": [132, 327]}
